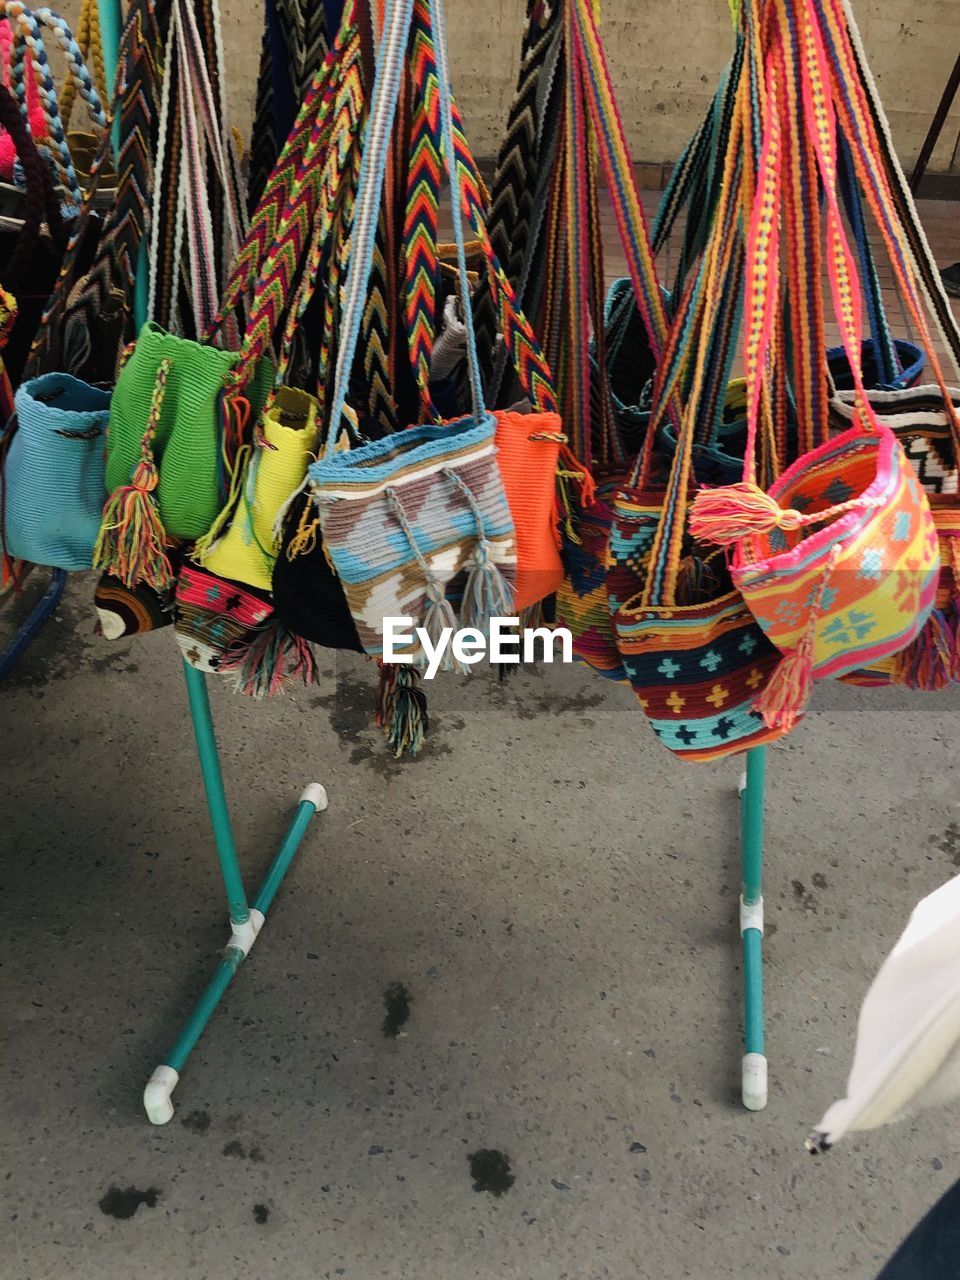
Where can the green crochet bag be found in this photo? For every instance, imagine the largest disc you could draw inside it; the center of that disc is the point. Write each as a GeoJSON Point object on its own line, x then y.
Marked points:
{"type": "Point", "coordinates": [165, 441]}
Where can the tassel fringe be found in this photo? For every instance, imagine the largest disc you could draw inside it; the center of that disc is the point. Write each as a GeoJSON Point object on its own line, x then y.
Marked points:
{"type": "Point", "coordinates": [724, 515]}
{"type": "Point", "coordinates": [401, 708]}
{"type": "Point", "coordinates": [930, 662]}
{"type": "Point", "coordinates": [487, 594]}
{"type": "Point", "coordinates": [131, 543]}
{"type": "Point", "coordinates": [787, 694]}
{"type": "Point", "coordinates": [270, 657]}
{"type": "Point", "coordinates": [436, 616]}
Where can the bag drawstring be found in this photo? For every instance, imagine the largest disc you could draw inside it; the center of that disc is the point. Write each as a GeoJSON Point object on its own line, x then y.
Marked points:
{"type": "Point", "coordinates": [789, 688]}
{"type": "Point", "coordinates": [438, 613]}
{"type": "Point", "coordinates": [131, 544]}
{"type": "Point", "coordinates": [486, 594]}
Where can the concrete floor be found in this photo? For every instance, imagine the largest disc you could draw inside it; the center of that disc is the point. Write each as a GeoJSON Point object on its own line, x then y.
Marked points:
{"type": "Point", "coordinates": [559, 897]}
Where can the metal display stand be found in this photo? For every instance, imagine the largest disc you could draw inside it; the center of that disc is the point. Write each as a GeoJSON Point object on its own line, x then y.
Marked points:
{"type": "Point", "coordinates": [754, 1067]}
{"type": "Point", "coordinates": [38, 616]}
{"type": "Point", "coordinates": [246, 921]}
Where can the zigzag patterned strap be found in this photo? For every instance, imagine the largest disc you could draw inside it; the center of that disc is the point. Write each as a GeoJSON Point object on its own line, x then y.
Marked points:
{"type": "Point", "coordinates": [421, 220]}
{"type": "Point", "coordinates": [262, 234]}
{"type": "Point", "coordinates": [345, 131]}
{"type": "Point", "coordinates": [531, 366]}
{"type": "Point", "coordinates": [82, 310]}
{"type": "Point", "coordinates": [275, 288]}
{"type": "Point", "coordinates": [295, 42]}
{"type": "Point", "coordinates": [514, 187]}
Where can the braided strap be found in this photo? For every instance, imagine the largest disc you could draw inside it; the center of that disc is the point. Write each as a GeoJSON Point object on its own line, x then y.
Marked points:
{"type": "Point", "coordinates": [28, 35]}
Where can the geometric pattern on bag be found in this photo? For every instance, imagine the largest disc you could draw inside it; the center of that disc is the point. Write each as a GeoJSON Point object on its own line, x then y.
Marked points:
{"type": "Point", "coordinates": [696, 671]}
{"type": "Point", "coordinates": [422, 514]}
{"type": "Point", "coordinates": [918, 418]}
{"type": "Point", "coordinates": [211, 615]}
{"type": "Point", "coordinates": [582, 595]}
{"type": "Point", "coordinates": [881, 581]}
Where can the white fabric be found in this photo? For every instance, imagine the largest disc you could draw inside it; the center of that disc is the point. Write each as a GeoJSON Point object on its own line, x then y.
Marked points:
{"type": "Point", "coordinates": [908, 1037]}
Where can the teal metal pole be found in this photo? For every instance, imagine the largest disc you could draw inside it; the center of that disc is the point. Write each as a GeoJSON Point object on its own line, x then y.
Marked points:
{"type": "Point", "coordinates": [754, 1079]}
{"type": "Point", "coordinates": [281, 863]}
{"type": "Point", "coordinates": [111, 24]}
{"type": "Point", "coordinates": [157, 1096]}
{"type": "Point", "coordinates": [216, 797]}
{"type": "Point", "coordinates": [233, 958]}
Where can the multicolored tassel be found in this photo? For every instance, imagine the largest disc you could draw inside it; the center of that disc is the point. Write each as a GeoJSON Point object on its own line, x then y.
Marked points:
{"type": "Point", "coordinates": [401, 708]}
{"type": "Point", "coordinates": [788, 690]}
{"type": "Point", "coordinates": [724, 515]}
{"type": "Point", "coordinates": [928, 663]}
{"type": "Point", "coordinates": [131, 544]}
{"type": "Point", "coordinates": [268, 659]}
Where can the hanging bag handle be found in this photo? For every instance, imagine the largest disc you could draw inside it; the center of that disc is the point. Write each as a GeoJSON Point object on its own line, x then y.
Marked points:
{"type": "Point", "coordinates": [621, 182]}
{"type": "Point", "coordinates": [275, 290]}
{"type": "Point", "coordinates": [28, 34]}
{"type": "Point", "coordinates": [90, 43]}
{"type": "Point", "coordinates": [864, 124]}
{"type": "Point", "coordinates": [876, 160]}
{"type": "Point", "coordinates": [520, 342]}
{"type": "Point", "coordinates": [698, 318]}
{"type": "Point", "coordinates": [41, 203]}
{"type": "Point", "coordinates": [390, 67]}
{"type": "Point", "coordinates": [884, 348]}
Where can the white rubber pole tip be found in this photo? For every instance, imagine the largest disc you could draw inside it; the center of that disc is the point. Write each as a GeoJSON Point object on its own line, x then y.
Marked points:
{"type": "Point", "coordinates": [754, 1088]}
{"type": "Point", "coordinates": [156, 1096]}
{"type": "Point", "coordinates": [315, 793]}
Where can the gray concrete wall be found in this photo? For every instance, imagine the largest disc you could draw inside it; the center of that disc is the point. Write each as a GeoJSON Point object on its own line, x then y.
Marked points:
{"type": "Point", "coordinates": [665, 60]}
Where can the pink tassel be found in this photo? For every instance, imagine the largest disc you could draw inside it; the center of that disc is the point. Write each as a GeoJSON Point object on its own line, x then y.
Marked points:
{"type": "Point", "coordinates": [788, 691]}
{"type": "Point", "coordinates": [725, 515]}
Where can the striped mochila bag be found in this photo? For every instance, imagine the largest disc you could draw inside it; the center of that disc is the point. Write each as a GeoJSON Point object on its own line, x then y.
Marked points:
{"type": "Point", "coordinates": [422, 512]}
{"type": "Point", "coordinates": [529, 440]}
{"type": "Point", "coordinates": [693, 653]}
{"type": "Point", "coordinates": [838, 561]}
{"type": "Point", "coordinates": [592, 114]}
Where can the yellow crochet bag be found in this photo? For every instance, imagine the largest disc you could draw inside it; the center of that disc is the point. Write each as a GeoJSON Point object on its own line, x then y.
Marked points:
{"type": "Point", "coordinates": [243, 542]}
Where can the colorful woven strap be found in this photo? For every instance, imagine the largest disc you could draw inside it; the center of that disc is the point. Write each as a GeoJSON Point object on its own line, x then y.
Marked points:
{"type": "Point", "coordinates": [886, 190]}
{"type": "Point", "coordinates": [421, 219]}
{"type": "Point", "coordinates": [90, 40]}
{"type": "Point", "coordinates": [275, 288]}
{"type": "Point", "coordinates": [337, 177]}
{"type": "Point", "coordinates": [515, 213]}
{"type": "Point", "coordinates": [27, 27]}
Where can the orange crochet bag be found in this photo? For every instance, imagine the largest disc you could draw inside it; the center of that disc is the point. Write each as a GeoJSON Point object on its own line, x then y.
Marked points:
{"type": "Point", "coordinates": [528, 455]}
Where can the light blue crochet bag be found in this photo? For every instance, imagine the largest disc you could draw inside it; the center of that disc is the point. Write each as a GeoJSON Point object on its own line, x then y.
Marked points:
{"type": "Point", "coordinates": [53, 473]}
{"type": "Point", "coordinates": [418, 519]}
